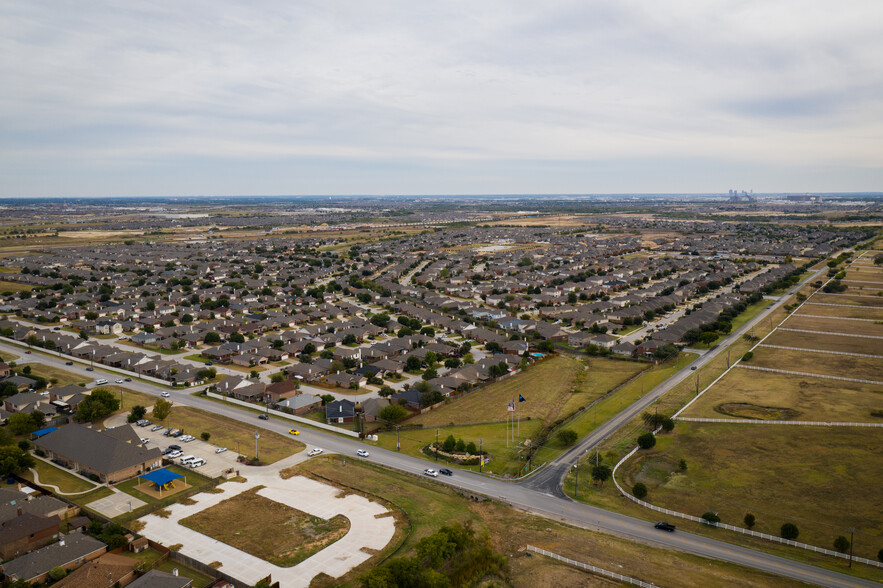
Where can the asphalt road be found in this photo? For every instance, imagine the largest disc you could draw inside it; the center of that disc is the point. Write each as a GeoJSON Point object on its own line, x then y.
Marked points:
{"type": "Point", "coordinates": [530, 495]}
{"type": "Point", "coordinates": [550, 478]}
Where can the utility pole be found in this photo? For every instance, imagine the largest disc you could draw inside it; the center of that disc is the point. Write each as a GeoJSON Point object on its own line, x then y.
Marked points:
{"type": "Point", "coordinates": [398, 445]}
{"type": "Point", "coordinates": [851, 541]}
{"type": "Point", "coordinates": [728, 358]}
{"type": "Point", "coordinates": [697, 384]}
{"type": "Point", "coordinates": [576, 487]}
{"type": "Point", "coordinates": [480, 455]}
{"type": "Point", "coordinates": [436, 446]}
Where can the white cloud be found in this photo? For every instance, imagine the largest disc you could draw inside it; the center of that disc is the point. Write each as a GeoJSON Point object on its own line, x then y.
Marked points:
{"type": "Point", "coordinates": [742, 87]}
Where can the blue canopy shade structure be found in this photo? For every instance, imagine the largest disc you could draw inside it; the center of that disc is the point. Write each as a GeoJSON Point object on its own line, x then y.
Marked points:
{"type": "Point", "coordinates": [45, 431]}
{"type": "Point", "coordinates": [162, 478]}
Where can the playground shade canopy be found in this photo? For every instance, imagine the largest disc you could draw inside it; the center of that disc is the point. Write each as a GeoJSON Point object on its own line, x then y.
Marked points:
{"type": "Point", "coordinates": [161, 477]}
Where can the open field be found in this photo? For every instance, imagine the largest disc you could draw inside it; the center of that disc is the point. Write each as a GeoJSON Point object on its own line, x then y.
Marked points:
{"type": "Point", "coordinates": [843, 343]}
{"type": "Point", "coordinates": [806, 399]}
{"type": "Point", "coordinates": [13, 287]}
{"type": "Point", "coordinates": [815, 478]}
{"type": "Point", "coordinates": [547, 387]}
{"type": "Point", "coordinates": [65, 481]}
{"type": "Point", "coordinates": [845, 366]}
{"type": "Point", "coordinates": [849, 311]}
{"type": "Point", "coordinates": [64, 377]}
{"type": "Point", "coordinates": [831, 324]}
{"type": "Point", "coordinates": [232, 434]}
{"type": "Point", "coordinates": [873, 302]}
{"type": "Point", "coordinates": [269, 530]}
{"type": "Point", "coordinates": [430, 505]}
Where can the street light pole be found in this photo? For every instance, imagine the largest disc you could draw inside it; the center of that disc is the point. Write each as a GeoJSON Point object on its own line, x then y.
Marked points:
{"type": "Point", "coordinates": [480, 455]}
{"type": "Point", "coordinates": [398, 445]}
{"type": "Point", "coordinates": [256, 437]}
{"type": "Point", "coordinates": [576, 487]}
{"type": "Point", "coordinates": [436, 446]}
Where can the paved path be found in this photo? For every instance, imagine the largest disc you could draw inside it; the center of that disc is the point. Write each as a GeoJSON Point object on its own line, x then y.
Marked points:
{"type": "Point", "coordinates": [369, 529]}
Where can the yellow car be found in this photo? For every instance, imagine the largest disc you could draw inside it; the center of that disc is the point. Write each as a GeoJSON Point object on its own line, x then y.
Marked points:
{"type": "Point", "coordinates": [293, 432]}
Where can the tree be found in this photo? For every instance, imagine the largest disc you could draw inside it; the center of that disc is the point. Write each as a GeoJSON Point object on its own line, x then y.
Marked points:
{"type": "Point", "coordinates": [450, 444]}
{"type": "Point", "coordinates": [386, 391]}
{"type": "Point", "coordinates": [452, 362]}
{"type": "Point", "coordinates": [205, 436]}
{"type": "Point", "coordinates": [668, 424]}
{"type": "Point", "coordinates": [708, 337]}
{"type": "Point", "coordinates": [161, 409]}
{"type": "Point", "coordinates": [601, 473]}
{"type": "Point", "coordinates": [136, 414]}
{"type": "Point", "coordinates": [461, 446]}
{"type": "Point", "coordinates": [309, 348]}
{"type": "Point", "coordinates": [186, 319]}
{"type": "Point", "coordinates": [413, 363]}
{"type": "Point", "coordinates": [567, 437]}
{"type": "Point", "coordinates": [711, 518]}
{"type": "Point", "coordinates": [789, 531]}
{"type": "Point", "coordinates": [14, 461]}
{"type": "Point", "coordinates": [639, 490]}
{"type": "Point", "coordinates": [393, 413]}
{"type": "Point", "coordinates": [841, 544]}
{"type": "Point", "coordinates": [22, 423]}
{"type": "Point", "coordinates": [647, 441]}
{"type": "Point", "coordinates": [254, 375]}
{"type": "Point", "coordinates": [212, 338]}
{"type": "Point", "coordinates": [749, 520]}
{"type": "Point", "coordinates": [277, 377]}
{"type": "Point", "coordinates": [748, 355]}
{"type": "Point", "coordinates": [326, 398]}
{"type": "Point", "coordinates": [471, 448]}
{"type": "Point", "coordinates": [99, 404]}
{"type": "Point", "coordinates": [430, 374]}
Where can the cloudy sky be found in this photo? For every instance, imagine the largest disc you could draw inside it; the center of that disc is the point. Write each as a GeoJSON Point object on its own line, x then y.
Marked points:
{"type": "Point", "coordinates": [295, 97]}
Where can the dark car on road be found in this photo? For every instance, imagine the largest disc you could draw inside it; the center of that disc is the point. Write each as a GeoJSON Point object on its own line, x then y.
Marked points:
{"type": "Point", "coordinates": [264, 417]}
{"type": "Point", "coordinates": [665, 527]}
{"type": "Point", "coordinates": [446, 472]}
{"type": "Point", "coordinates": [68, 363]}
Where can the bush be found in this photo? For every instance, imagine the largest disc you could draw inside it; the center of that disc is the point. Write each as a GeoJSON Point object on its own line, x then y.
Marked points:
{"type": "Point", "coordinates": [205, 436]}
{"type": "Point", "coordinates": [789, 531]}
{"type": "Point", "coordinates": [748, 355]}
{"type": "Point", "coordinates": [639, 490]}
{"type": "Point", "coordinates": [841, 544]}
{"type": "Point", "coordinates": [683, 465]}
{"type": "Point", "coordinates": [393, 413]}
{"type": "Point", "coordinates": [567, 437]}
{"type": "Point", "coordinates": [668, 424]}
{"type": "Point", "coordinates": [711, 518]}
{"type": "Point", "coordinates": [647, 441]}
{"type": "Point", "coordinates": [471, 448]}
{"type": "Point", "coordinates": [749, 520]}
{"type": "Point", "coordinates": [57, 573]}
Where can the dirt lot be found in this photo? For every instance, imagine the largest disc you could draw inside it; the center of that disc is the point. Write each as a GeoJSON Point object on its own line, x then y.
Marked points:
{"type": "Point", "coordinates": [831, 324]}
{"type": "Point", "coordinates": [844, 366]}
{"type": "Point", "coordinates": [827, 342]}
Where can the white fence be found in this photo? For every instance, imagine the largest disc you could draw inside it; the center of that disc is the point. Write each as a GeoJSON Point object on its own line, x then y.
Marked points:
{"type": "Point", "coordinates": [757, 534]}
{"type": "Point", "coordinates": [765, 422]}
{"type": "Point", "coordinates": [808, 375]}
{"type": "Point", "coordinates": [591, 568]}
{"type": "Point", "coordinates": [283, 415]}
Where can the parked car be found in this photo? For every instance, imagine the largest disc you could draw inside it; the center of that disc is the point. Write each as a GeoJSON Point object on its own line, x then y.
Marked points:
{"type": "Point", "coordinates": [314, 452]}
{"type": "Point", "coordinates": [167, 450]}
{"type": "Point", "coordinates": [446, 472]}
{"type": "Point", "coordinates": [362, 453]}
{"type": "Point", "coordinates": [665, 527]}
{"type": "Point", "coordinates": [293, 432]}
{"type": "Point", "coordinates": [175, 447]}
{"type": "Point", "coordinates": [264, 416]}
{"type": "Point", "coordinates": [156, 428]}
{"type": "Point", "coordinates": [220, 450]}
{"type": "Point", "coordinates": [144, 440]}
{"type": "Point", "coordinates": [176, 453]}
{"type": "Point", "coordinates": [197, 462]}
{"type": "Point", "coordinates": [430, 472]}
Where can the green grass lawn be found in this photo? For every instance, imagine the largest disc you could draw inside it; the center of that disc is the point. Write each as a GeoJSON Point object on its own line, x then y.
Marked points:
{"type": "Point", "coordinates": [64, 480]}
{"type": "Point", "coordinates": [13, 287]}
{"type": "Point", "coordinates": [64, 377]}
{"type": "Point", "coordinates": [7, 357]}
{"type": "Point", "coordinates": [430, 505]}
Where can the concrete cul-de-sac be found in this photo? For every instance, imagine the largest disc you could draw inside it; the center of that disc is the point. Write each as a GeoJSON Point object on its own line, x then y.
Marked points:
{"type": "Point", "coordinates": [367, 530]}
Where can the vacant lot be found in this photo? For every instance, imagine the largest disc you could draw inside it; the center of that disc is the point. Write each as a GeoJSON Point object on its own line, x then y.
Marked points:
{"type": "Point", "coordinates": [845, 366]}
{"type": "Point", "coordinates": [818, 479]}
{"type": "Point", "coordinates": [843, 343]}
{"type": "Point", "coordinates": [875, 302]}
{"type": "Point", "coordinates": [63, 377]}
{"type": "Point", "coordinates": [831, 324]}
{"type": "Point", "coordinates": [267, 529]}
{"type": "Point", "coordinates": [806, 399]}
{"type": "Point", "coordinates": [232, 434]}
{"type": "Point", "coordinates": [862, 312]}
{"type": "Point", "coordinates": [13, 287]}
{"type": "Point", "coordinates": [430, 506]}
{"type": "Point", "coordinates": [552, 389]}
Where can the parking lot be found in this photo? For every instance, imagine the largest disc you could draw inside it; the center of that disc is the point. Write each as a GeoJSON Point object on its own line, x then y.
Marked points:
{"type": "Point", "coordinates": [215, 463]}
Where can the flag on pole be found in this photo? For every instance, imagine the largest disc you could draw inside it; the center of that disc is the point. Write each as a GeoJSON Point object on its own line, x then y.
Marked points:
{"type": "Point", "coordinates": [521, 398]}
{"type": "Point", "coordinates": [510, 406]}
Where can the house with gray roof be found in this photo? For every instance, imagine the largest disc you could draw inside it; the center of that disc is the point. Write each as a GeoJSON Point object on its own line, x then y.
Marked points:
{"type": "Point", "coordinates": [72, 551]}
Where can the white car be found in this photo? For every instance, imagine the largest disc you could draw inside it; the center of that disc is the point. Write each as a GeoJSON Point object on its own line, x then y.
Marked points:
{"type": "Point", "coordinates": [220, 450]}
{"type": "Point", "coordinates": [165, 394]}
{"type": "Point", "coordinates": [145, 441]}
{"type": "Point", "coordinates": [430, 472]}
{"type": "Point", "coordinates": [175, 454]}
{"type": "Point", "coordinates": [362, 453]}
{"type": "Point", "coordinates": [314, 452]}
{"type": "Point", "coordinates": [119, 380]}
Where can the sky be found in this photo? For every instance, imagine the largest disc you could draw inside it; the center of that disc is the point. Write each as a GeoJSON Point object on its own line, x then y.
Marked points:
{"type": "Point", "coordinates": [293, 97]}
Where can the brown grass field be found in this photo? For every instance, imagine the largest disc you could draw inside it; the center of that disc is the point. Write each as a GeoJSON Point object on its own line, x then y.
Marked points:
{"type": "Point", "coordinates": [806, 399]}
{"type": "Point", "coordinates": [547, 387]}
{"type": "Point", "coordinates": [875, 303]}
{"type": "Point", "coordinates": [844, 366]}
{"type": "Point", "coordinates": [269, 530]}
{"type": "Point", "coordinates": [831, 324]}
{"type": "Point", "coordinates": [862, 312]}
{"type": "Point", "coordinates": [816, 478]}
{"type": "Point", "coordinates": [826, 342]}
{"type": "Point", "coordinates": [430, 505]}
